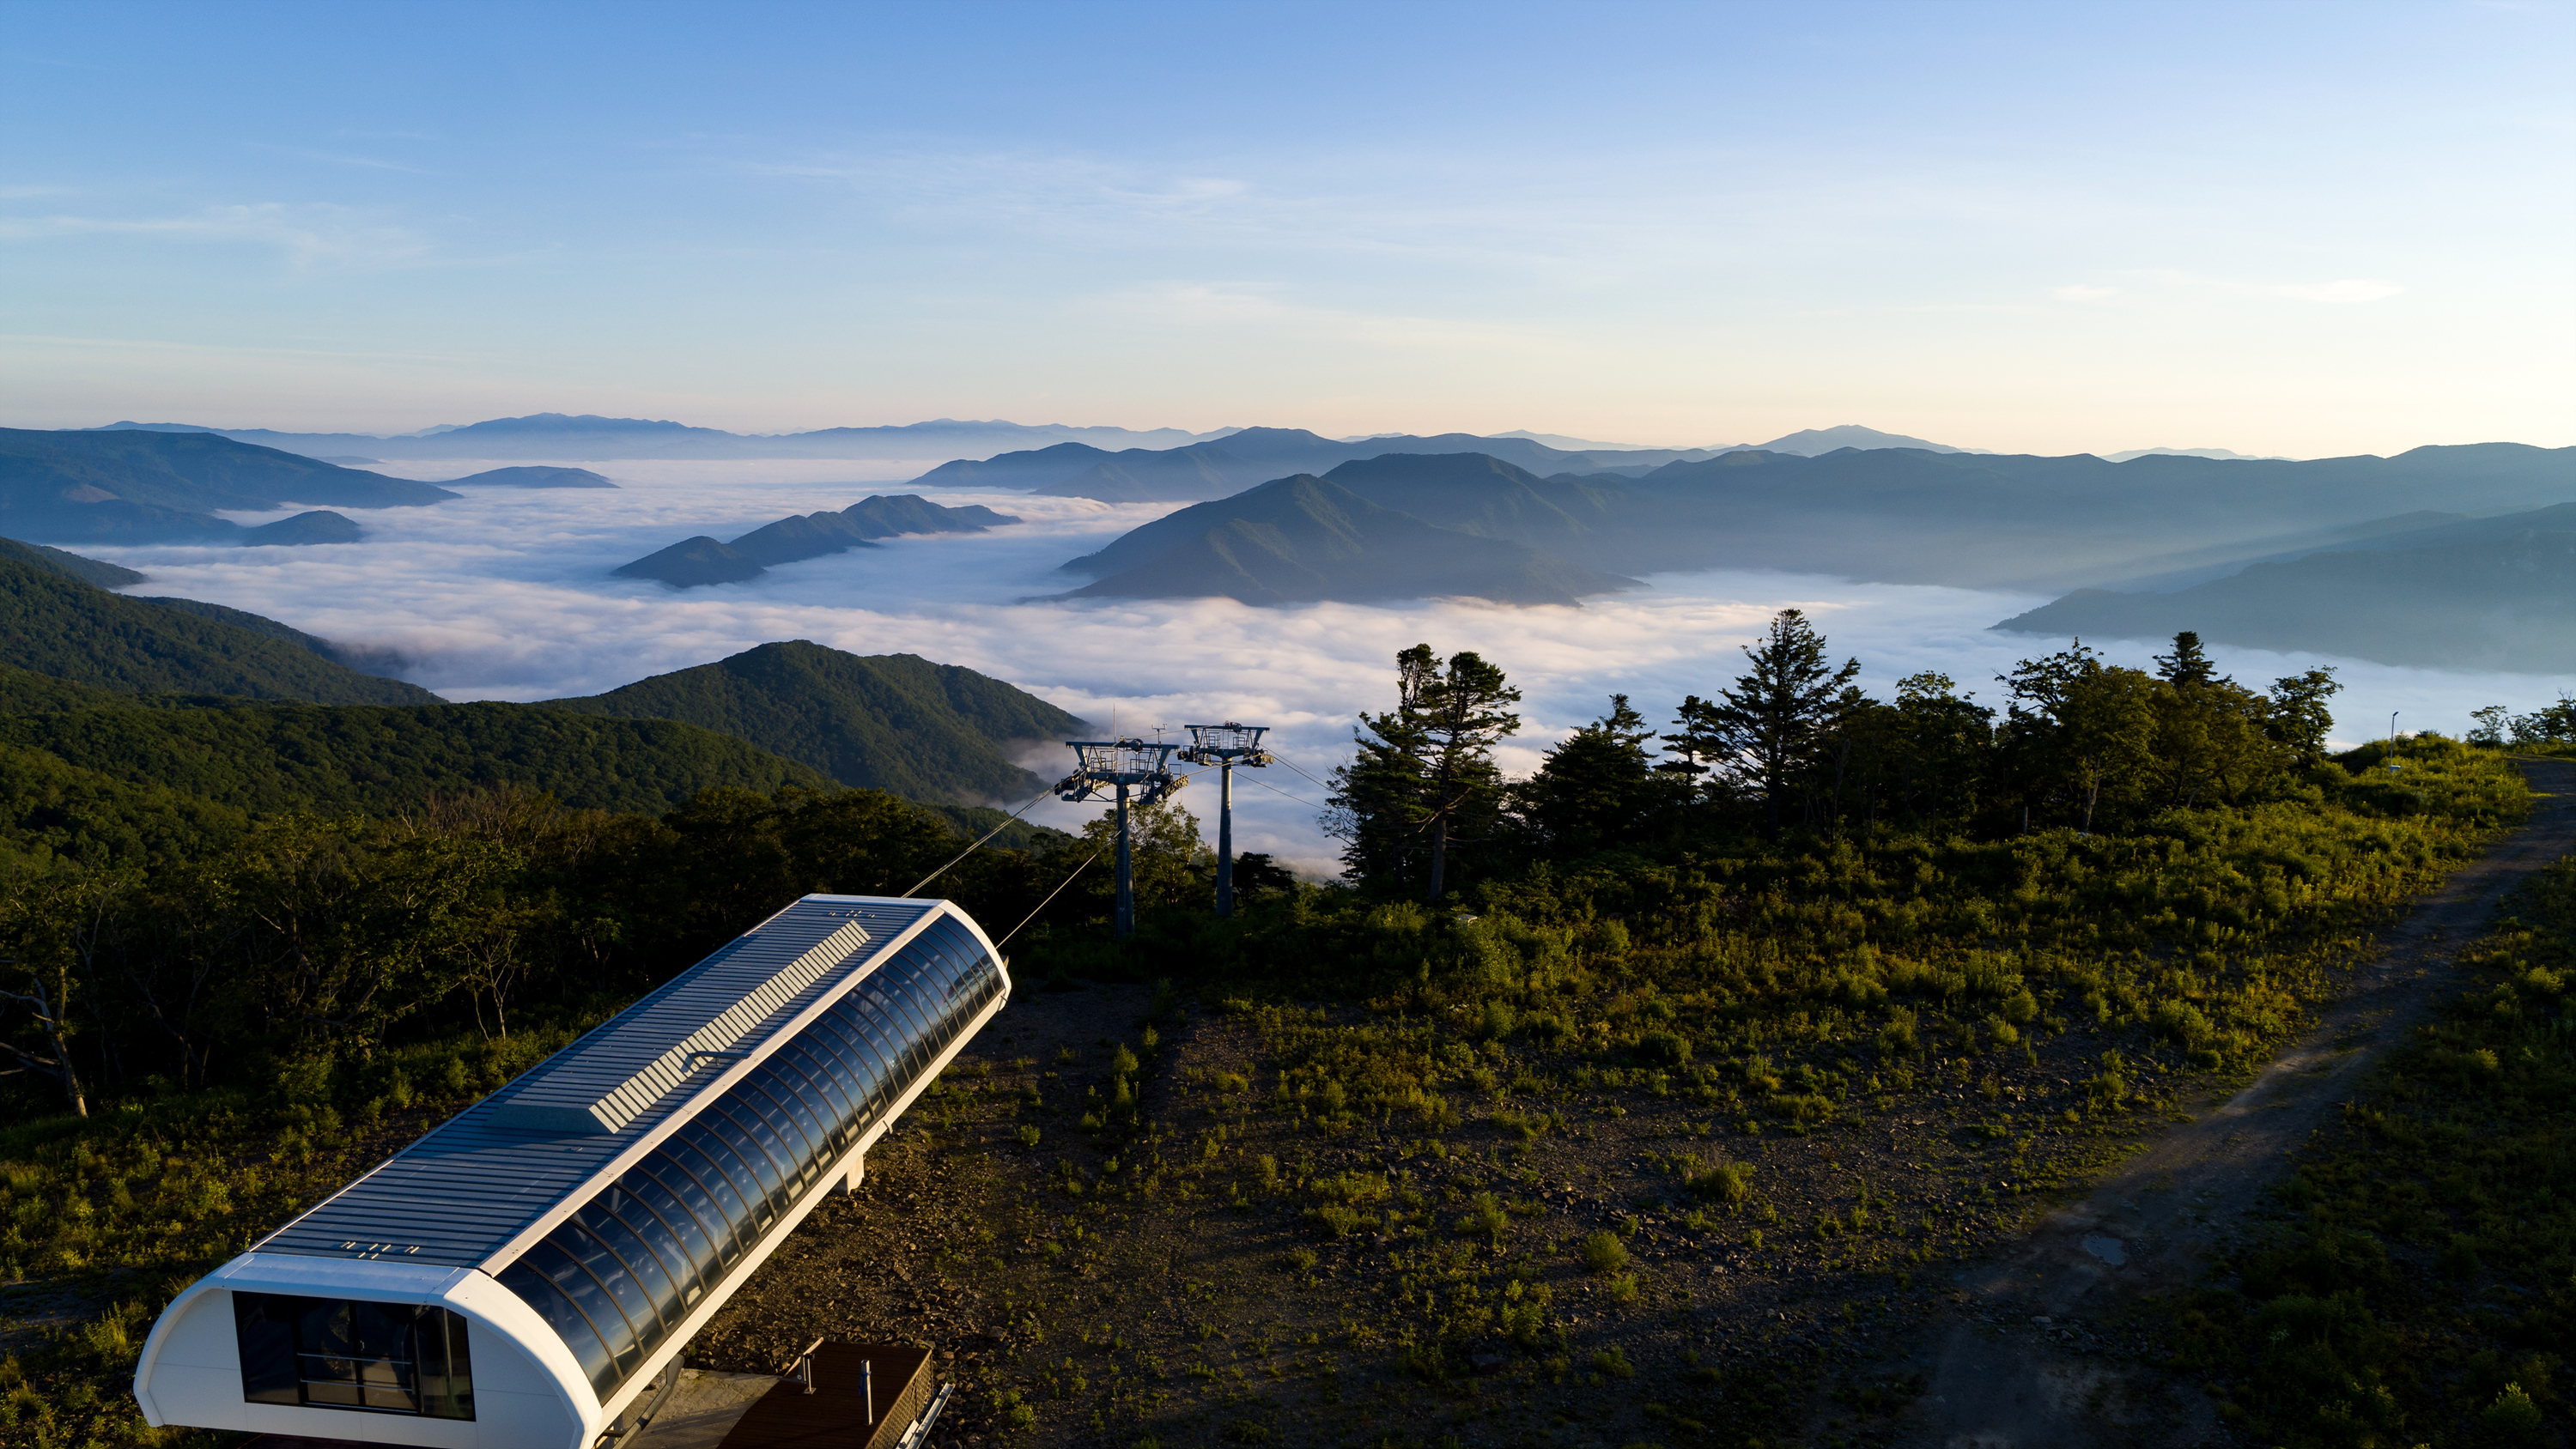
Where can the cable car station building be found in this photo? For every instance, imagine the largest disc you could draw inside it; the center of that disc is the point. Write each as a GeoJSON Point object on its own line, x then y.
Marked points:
{"type": "Point", "coordinates": [522, 1275]}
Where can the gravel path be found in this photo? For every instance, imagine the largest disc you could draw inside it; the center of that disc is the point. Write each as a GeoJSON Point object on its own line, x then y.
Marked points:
{"type": "Point", "coordinates": [2018, 1367]}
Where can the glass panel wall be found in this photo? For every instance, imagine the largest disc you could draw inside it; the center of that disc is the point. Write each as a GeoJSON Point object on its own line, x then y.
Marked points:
{"type": "Point", "coordinates": [616, 1279]}
{"type": "Point", "coordinates": [351, 1353]}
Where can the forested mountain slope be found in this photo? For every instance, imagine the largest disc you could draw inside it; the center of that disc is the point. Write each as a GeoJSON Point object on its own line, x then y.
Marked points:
{"type": "Point", "coordinates": [897, 722]}
{"type": "Point", "coordinates": [273, 757]}
{"type": "Point", "coordinates": [103, 574]}
{"type": "Point", "coordinates": [51, 623]}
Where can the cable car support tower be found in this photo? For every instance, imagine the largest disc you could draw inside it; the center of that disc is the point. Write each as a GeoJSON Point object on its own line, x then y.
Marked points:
{"type": "Point", "coordinates": [1226, 746]}
{"type": "Point", "coordinates": [1121, 765]}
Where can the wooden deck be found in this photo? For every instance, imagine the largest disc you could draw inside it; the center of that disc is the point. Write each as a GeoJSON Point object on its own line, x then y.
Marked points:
{"type": "Point", "coordinates": [834, 1416]}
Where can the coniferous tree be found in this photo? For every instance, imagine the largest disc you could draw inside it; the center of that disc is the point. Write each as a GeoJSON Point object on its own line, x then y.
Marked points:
{"type": "Point", "coordinates": [1599, 786]}
{"type": "Point", "coordinates": [2188, 664]}
{"type": "Point", "coordinates": [1765, 731]}
{"type": "Point", "coordinates": [1423, 776]}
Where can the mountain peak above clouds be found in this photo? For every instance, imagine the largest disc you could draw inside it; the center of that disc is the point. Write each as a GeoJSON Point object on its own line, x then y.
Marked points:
{"type": "Point", "coordinates": [582, 437]}
{"type": "Point", "coordinates": [2223, 455]}
{"type": "Point", "coordinates": [1815, 442]}
{"type": "Point", "coordinates": [1583, 445]}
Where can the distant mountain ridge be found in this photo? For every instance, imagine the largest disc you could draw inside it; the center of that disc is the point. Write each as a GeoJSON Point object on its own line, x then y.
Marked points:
{"type": "Point", "coordinates": [694, 562]}
{"type": "Point", "coordinates": [533, 476]}
{"type": "Point", "coordinates": [2485, 593]}
{"type": "Point", "coordinates": [147, 487]}
{"type": "Point", "coordinates": [586, 437]}
{"type": "Point", "coordinates": [1892, 515]}
{"type": "Point", "coordinates": [1249, 456]}
{"type": "Point", "coordinates": [1306, 539]}
{"type": "Point", "coordinates": [1816, 442]}
{"type": "Point", "coordinates": [937, 733]}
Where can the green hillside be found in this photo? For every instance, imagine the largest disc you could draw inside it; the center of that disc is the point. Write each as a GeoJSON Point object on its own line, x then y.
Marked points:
{"type": "Point", "coordinates": [894, 722]}
{"type": "Point", "coordinates": [260, 624]}
{"type": "Point", "coordinates": [52, 808]}
{"type": "Point", "coordinates": [87, 570]}
{"type": "Point", "coordinates": [53, 624]}
{"type": "Point", "coordinates": [23, 691]}
{"type": "Point", "coordinates": [275, 757]}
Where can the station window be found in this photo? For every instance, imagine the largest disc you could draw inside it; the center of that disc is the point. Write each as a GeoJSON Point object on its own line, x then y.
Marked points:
{"type": "Point", "coordinates": [350, 1353]}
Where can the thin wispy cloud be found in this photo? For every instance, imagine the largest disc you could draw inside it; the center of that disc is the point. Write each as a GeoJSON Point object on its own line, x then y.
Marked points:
{"type": "Point", "coordinates": [308, 234]}
{"type": "Point", "coordinates": [2350, 289]}
{"type": "Point", "coordinates": [341, 158]}
{"type": "Point", "coordinates": [2341, 291]}
{"type": "Point", "coordinates": [1190, 304]}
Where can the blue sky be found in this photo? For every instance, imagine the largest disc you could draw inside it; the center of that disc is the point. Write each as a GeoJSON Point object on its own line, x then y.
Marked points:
{"type": "Point", "coordinates": [2301, 229]}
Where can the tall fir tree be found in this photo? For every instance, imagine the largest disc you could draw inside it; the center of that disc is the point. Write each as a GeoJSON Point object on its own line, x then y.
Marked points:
{"type": "Point", "coordinates": [1763, 733]}
{"type": "Point", "coordinates": [1599, 786]}
{"type": "Point", "coordinates": [1422, 778]}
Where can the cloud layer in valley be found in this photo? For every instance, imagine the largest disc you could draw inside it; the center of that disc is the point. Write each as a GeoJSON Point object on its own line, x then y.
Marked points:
{"type": "Point", "coordinates": [506, 594]}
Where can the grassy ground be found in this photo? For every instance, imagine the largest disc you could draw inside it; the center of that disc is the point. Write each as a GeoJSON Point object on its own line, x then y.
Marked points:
{"type": "Point", "coordinates": [1674, 1184]}
{"type": "Point", "coordinates": [1639, 1154]}
{"type": "Point", "coordinates": [2418, 1283]}
{"type": "Point", "coordinates": [1560, 1244]}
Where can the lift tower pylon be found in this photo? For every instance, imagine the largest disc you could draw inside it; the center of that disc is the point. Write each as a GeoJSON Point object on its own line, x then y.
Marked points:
{"type": "Point", "coordinates": [1226, 746]}
{"type": "Point", "coordinates": [1121, 765]}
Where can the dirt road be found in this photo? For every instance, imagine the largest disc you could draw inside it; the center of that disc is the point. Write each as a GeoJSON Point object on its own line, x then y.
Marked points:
{"type": "Point", "coordinates": [2010, 1371]}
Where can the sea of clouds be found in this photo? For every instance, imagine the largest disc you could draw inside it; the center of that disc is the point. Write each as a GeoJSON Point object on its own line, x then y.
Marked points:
{"type": "Point", "coordinates": [506, 594]}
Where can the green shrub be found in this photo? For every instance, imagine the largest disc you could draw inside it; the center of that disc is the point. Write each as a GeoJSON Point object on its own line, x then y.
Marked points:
{"type": "Point", "coordinates": [1726, 1182]}
{"type": "Point", "coordinates": [1603, 1253]}
{"type": "Point", "coordinates": [1805, 1109]}
{"type": "Point", "coordinates": [1664, 1049]}
{"type": "Point", "coordinates": [1611, 1363]}
{"type": "Point", "coordinates": [1343, 1221]}
{"type": "Point", "coordinates": [2183, 1022]}
{"type": "Point", "coordinates": [2513, 1417]}
{"type": "Point", "coordinates": [1896, 1038]}
{"type": "Point", "coordinates": [1486, 1218]}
